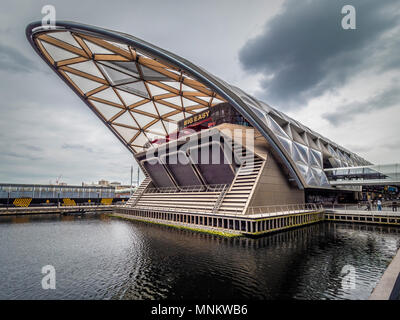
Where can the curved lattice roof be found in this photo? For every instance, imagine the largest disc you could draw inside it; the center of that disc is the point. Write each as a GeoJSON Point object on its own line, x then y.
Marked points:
{"type": "Point", "coordinates": [140, 91]}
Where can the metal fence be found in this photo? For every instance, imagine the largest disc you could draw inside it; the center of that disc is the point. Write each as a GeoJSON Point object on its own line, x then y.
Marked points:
{"type": "Point", "coordinates": [284, 209]}
{"type": "Point", "coordinates": [196, 188]}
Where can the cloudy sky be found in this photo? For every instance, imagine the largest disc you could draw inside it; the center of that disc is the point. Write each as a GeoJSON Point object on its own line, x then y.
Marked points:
{"type": "Point", "coordinates": [292, 54]}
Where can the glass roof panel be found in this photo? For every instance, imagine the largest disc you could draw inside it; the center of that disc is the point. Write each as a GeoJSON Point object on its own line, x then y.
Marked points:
{"type": "Point", "coordinates": [84, 84]}
{"type": "Point", "coordinates": [287, 144]}
{"type": "Point", "coordinates": [303, 150]}
{"type": "Point", "coordinates": [174, 84]}
{"type": "Point", "coordinates": [141, 119]}
{"type": "Point", "coordinates": [65, 37]}
{"type": "Point", "coordinates": [116, 77]}
{"type": "Point", "coordinates": [217, 101]}
{"type": "Point", "coordinates": [157, 128]}
{"type": "Point", "coordinates": [163, 109]}
{"type": "Point", "coordinates": [177, 117]}
{"type": "Point", "coordinates": [174, 100]}
{"type": "Point", "coordinates": [276, 128]}
{"type": "Point", "coordinates": [140, 139]}
{"type": "Point", "coordinates": [186, 88]}
{"type": "Point", "coordinates": [126, 133]}
{"type": "Point", "coordinates": [128, 67]}
{"type": "Point", "coordinates": [137, 88]}
{"type": "Point", "coordinates": [147, 107]}
{"type": "Point", "coordinates": [57, 53]}
{"type": "Point", "coordinates": [106, 110]}
{"type": "Point", "coordinates": [87, 67]}
{"type": "Point", "coordinates": [155, 91]}
{"type": "Point", "coordinates": [188, 103]}
{"type": "Point", "coordinates": [129, 98]}
{"type": "Point", "coordinates": [150, 74]}
{"type": "Point", "coordinates": [170, 126]}
{"type": "Point", "coordinates": [107, 94]}
{"type": "Point", "coordinates": [126, 119]}
{"type": "Point", "coordinates": [206, 99]}
{"type": "Point", "coordinates": [95, 49]}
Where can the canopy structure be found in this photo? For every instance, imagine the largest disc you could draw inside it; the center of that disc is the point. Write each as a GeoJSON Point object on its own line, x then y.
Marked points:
{"type": "Point", "coordinates": [140, 91]}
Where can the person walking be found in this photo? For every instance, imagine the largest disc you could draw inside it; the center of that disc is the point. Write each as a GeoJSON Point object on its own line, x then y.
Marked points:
{"type": "Point", "coordinates": [379, 203]}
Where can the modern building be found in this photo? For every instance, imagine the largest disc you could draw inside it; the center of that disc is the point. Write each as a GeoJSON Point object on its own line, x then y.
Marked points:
{"type": "Point", "coordinates": [234, 152]}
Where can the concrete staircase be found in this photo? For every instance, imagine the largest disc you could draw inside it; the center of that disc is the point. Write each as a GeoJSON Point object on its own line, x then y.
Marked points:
{"type": "Point", "coordinates": [138, 192]}
{"type": "Point", "coordinates": [237, 197]}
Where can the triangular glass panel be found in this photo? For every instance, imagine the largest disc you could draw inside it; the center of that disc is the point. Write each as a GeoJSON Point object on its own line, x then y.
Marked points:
{"type": "Point", "coordinates": [147, 107]}
{"type": "Point", "coordinates": [217, 101]}
{"type": "Point", "coordinates": [162, 109]}
{"type": "Point", "coordinates": [170, 126]}
{"type": "Point", "coordinates": [156, 91]}
{"type": "Point", "coordinates": [150, 74]}
{"type": "Point", "coordinates": [107, 94]}
{"type": "Point", "coordinates": [126, 119]}
{"type": "Point", "coordinates": [140, 140]}
{"type": "Point", "coordinates": [315, 158]}
{"type": "Point", "coordinates": [137, 88]}
{"type": "Point", "coordinates": [296, 154]}
{"type": "Point", "coordinates": [88, 67]}
{"type": "Point", "coordinates": [128, 67]}
{"type": "Point", "coordinates": [141, 119]}
{"type": "Point", "coordinates": [65, 37]}
{"type": "Point", "coordinates": [96, 49]}
{"type": "Point", "coordinates": [157, 128]}
{"type": "Point", "coordinates": [276, 128]}
{"type": "Point", "coordinates": [106, 110]}
{"type": "Point", "coordinates": [205, 99]}
{"type": "Point", "coordinates": [84, 84]}
{"type": "Point", "coordinates": [310, 179]}
{"type": "Point", "coordinates": [174, 84]}
{"type": "Point", "coordinates": [302, 168]}
{"type": "Point", "coordinates": [57, 53]}
{"type": "Point", "coordinates": [129, 98]}
{"type": "Point", "coordinates": [174, 100]}
{"type": "Point", "coordinates": [303, 150]}
{"type": "Point", "coordinates": [188, 103]}
{"type": "Point", "coordinates": [126, 133]}
{"type": "Point", "coordinates": [177, 117]}
{"type": "Point", "coordinates": [199, 110]}
{"type": "Point", "coordinates": [116, 77]}
{"type": "Point", "coordinates": [186, 88]}
{"type": "Point", "coordinates": [287, 144]}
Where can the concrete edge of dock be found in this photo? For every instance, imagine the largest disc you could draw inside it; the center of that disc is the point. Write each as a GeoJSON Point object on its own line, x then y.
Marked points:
{"type": "Point", "coordinates": [388, 287]}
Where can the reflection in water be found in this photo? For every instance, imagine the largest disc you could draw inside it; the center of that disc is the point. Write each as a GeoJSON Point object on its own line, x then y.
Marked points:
{"type": "Point", "coordinates": [96, 257]}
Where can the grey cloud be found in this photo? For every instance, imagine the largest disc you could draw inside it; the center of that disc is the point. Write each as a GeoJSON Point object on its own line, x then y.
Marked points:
{"type": "Point", "coordinates": [13, 60]}
{"type": "Point", "coordinates": [24, 155]}
{"type": "Point", "coordinates": [76, 147]}
{"type": "Point", "coordinates": [385, 99]}
{"type": "Point", "coordinates": [304, 51]}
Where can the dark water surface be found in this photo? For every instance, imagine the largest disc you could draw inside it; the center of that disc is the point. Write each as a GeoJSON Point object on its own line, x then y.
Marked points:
{"type": "Point", "coordinates": [106, 258]}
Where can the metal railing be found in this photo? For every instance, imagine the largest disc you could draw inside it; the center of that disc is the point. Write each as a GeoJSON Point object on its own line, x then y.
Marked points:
{"type": "Point", "coordinates": [386, 209]}
{"type": "Point", "coordinates": [284, 209]}
{"type": "Point", "coordinates": [196, 188]}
